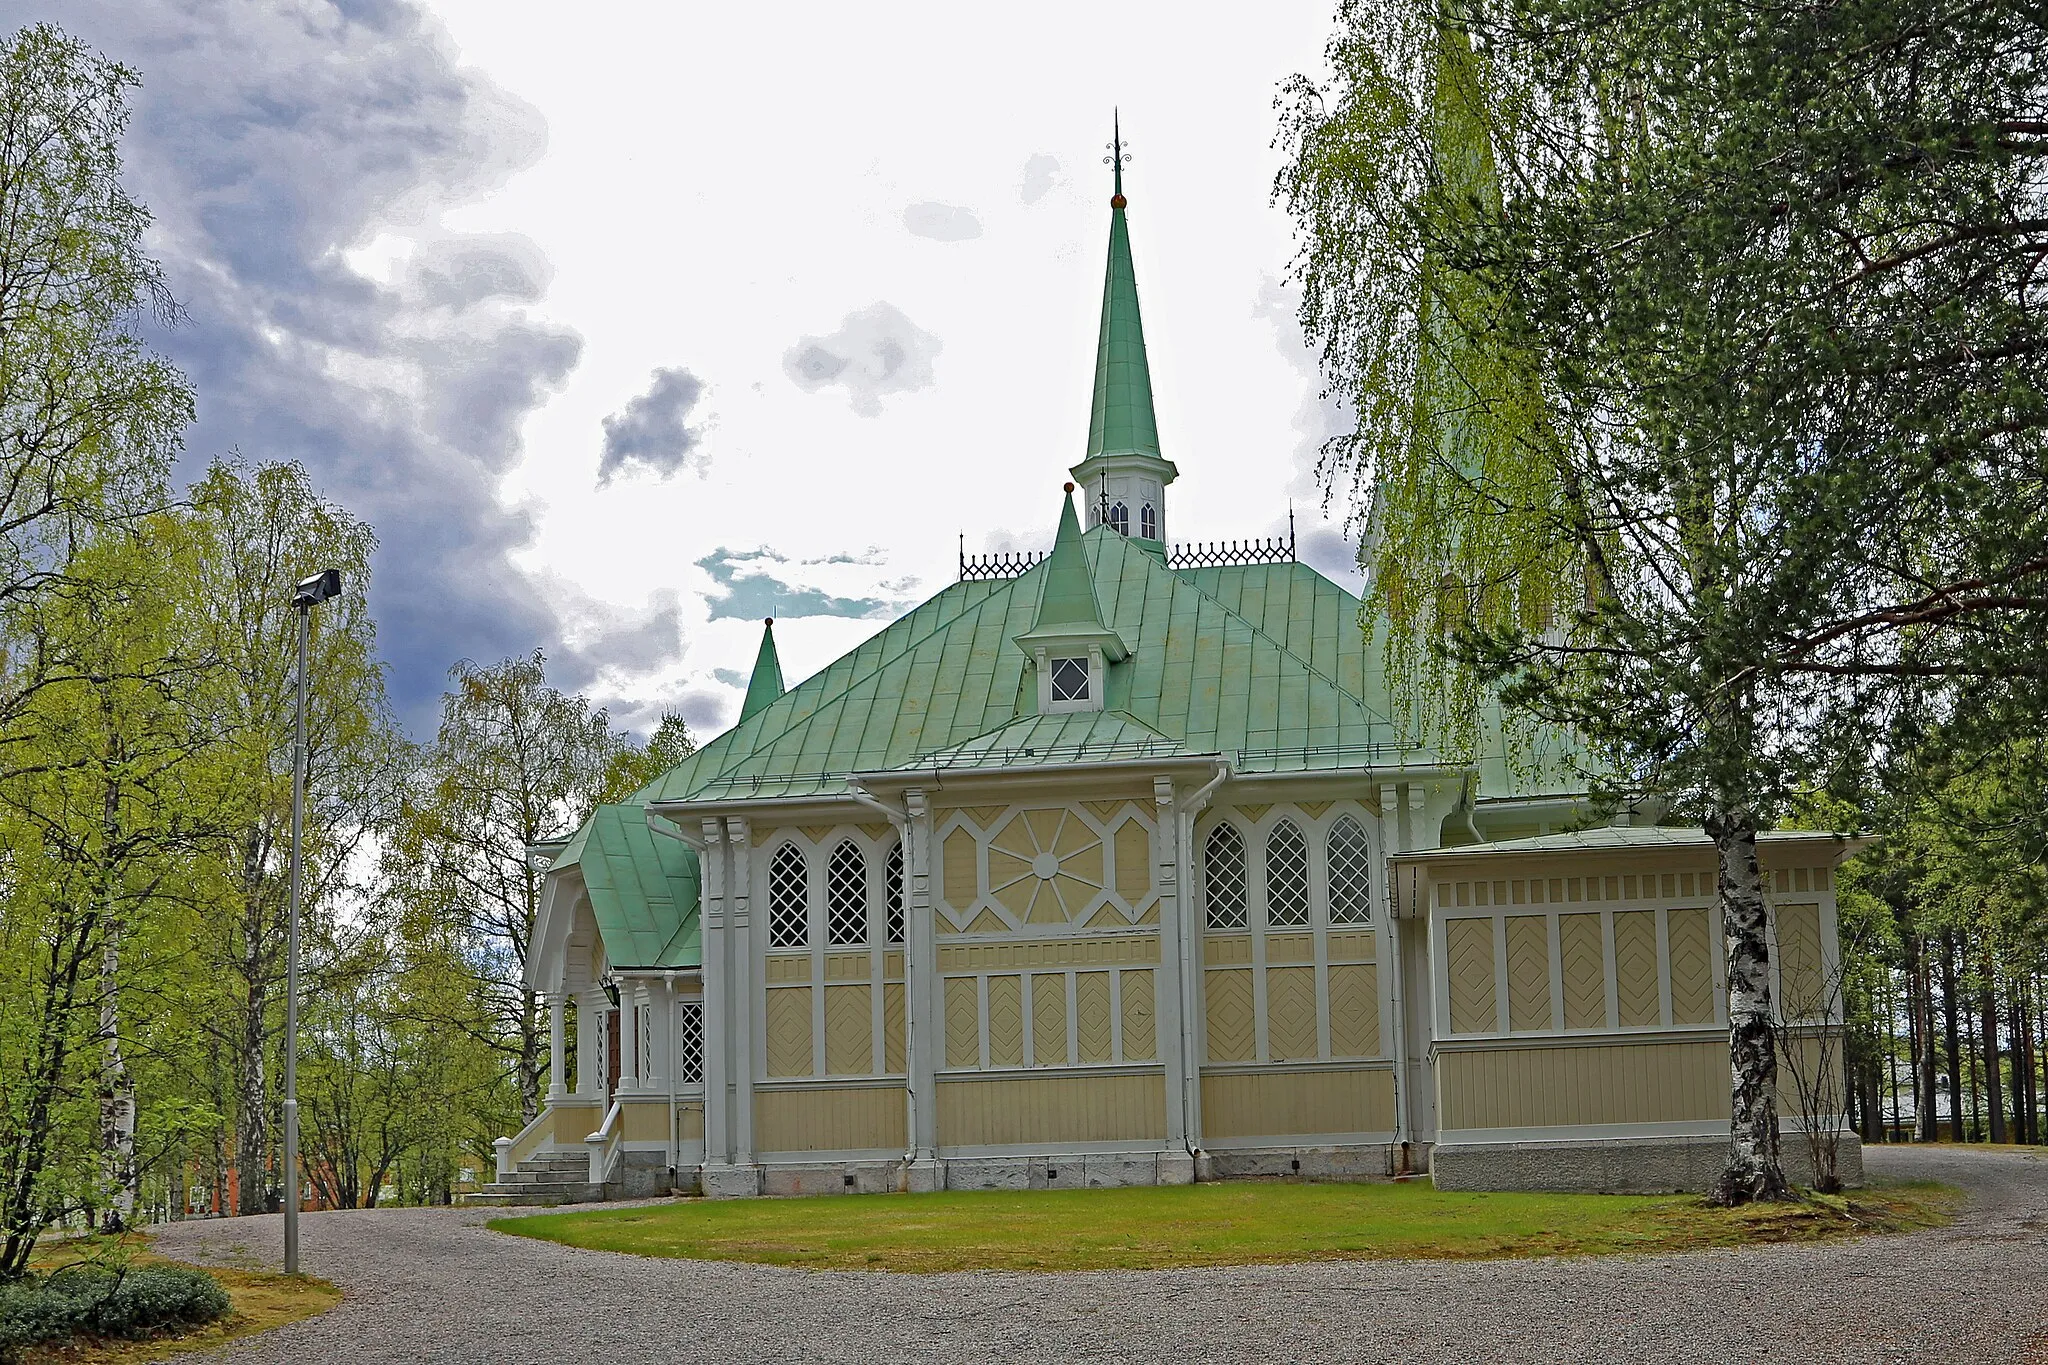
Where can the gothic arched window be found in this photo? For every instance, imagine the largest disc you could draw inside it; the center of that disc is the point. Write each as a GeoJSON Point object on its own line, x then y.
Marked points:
{"type": "Point", "coordinates": [1286, 877]}
{"type": "Point", "coordinates": [892, 876]}
{"type": "Point", "coordinates": [1350, 874]}
{"type": "Point", "coordinates": [1120, 518]}
{"type": "Point", "coordinates": [846, 896]}
{"type": "Point", "coordinates": [788, 896]}
{"type": "Point", "coordinates": [1223, 877]}
{"type": "Point", "coordinates": [1148, 522]}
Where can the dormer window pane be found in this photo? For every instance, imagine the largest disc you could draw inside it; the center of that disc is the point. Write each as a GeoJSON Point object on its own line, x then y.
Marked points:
{"type": "Point", "coordinates": [1120, 519]}
{"type": "Point", "coordinates": [1148, 523]}
{"type": "Point", "coordinates": [1070, 680]}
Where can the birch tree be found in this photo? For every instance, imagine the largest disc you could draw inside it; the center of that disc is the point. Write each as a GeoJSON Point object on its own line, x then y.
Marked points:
{"type": "Point", "coordinates": [1699, 376]}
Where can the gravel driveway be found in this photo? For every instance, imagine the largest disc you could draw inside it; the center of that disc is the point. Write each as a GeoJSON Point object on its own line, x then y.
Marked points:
{"type": "Point", "coordinates": [436, 1285]}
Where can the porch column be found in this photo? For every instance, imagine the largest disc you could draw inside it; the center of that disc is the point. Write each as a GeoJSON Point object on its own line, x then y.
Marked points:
{"type": "Point", "coordinates": [739, 836]}
{"type": "Point", "coordinates": [629, 1037]}
{"type": "Point", "coordinates": [558, 1061]}
{"type": "Point", "coordinates": [1171, 999]}
{"type": "Point", "coordinates": [924, 1022]}
{"type": "Point", "coordinates": [717, 1032]}
{"type": "Point", "coordinates": [590, 1030]}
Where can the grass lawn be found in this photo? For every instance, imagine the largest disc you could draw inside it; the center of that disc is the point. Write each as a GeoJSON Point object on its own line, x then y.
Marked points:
{"type": "Point", "coordinates": [261, 1299]}
{"type": "Point", "coordinates": [1234, 1223]}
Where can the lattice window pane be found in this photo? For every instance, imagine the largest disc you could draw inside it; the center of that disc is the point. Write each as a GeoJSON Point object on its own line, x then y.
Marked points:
{"type": "Point", "coordinates": [1350, 874]}
{"type": "Point", "coordinates": [1224, 878]}
{"type": "Point", "coordinates": [1286, 877]}
{"type": "Point", "coordinates": [788, 916]}
{"type": "Point", "coordinates": [690, 1042]}
{"type": "Point", "coordinates": [892, 874]}
{"type": "Point", "coordinates": [846, 896]}
{"type": "Point", "coordinates": [1070, 680]}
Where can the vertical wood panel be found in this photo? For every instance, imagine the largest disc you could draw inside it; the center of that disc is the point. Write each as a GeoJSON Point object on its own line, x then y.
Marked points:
{"type": "Point", "coordinates": [1546, 1087]}
{"type": "Point", "coordinates": [1469, 950]}
{"type": "Point", "coordinates": [1227, 1000]}
{"type": "Point", "coordinates": [1140, 1030]}
{"type": "Point", "coordinates": [1635, 969]}
{"type": "Point", "coordinates": [1049, 1018]}
{"type": "Point", "coordinates": [1037, 1109]}
{"type": "Point", "coordinates": [849, 1030]}
{"type": "Point", "coordinates": [1585, 971]}
{"type": "Point", "coordinates": [1692, 967]}
{"type": "Point", "coordinates": [853, 1119]}
{"type": "Point", "coordinates": [789, 1031]}
{"type": "Point", "coordinates": [1005, 1021]}
{"type": "Point", "coordinates": [1354, 1010]}
{"type": "Point", "coordinates": [1092, 1026]}
{"type": "Point", "coordinates": [892, 1027]}
{"type": "Point", "coordinates": [963, 1022]}
{"type": "Point", "coordinates": [1291, 1013]}
{"type": "Point", "coordinates": [1298, 1104]}
{"type": "Point", "coordinates": [1528, 973]}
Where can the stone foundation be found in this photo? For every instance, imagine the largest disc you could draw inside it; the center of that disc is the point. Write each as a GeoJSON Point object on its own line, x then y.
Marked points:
{"type": "Point", "coordinates": [1093, 1170]}
{"type": "Point", "coordinates": [1616, 1166]}
{"type": "Point", "coordinates": [1373, 1162]}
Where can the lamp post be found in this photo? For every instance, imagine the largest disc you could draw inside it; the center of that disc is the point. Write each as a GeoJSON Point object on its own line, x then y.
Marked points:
{"type": "Point", "coordinates": [310, 593]}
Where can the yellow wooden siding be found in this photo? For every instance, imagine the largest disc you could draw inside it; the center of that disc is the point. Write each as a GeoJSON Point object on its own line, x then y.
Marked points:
{"type": "Point", "coordinates": [1049, 1109]}
{"type": "Point", "coordinates": [1049, 1019]}
{"type": "Point", "coordinates": [1226, 950]}
{"type": "Point", "coordinates": [1133, 861]}
{"type": "Point", "coordinates": [1140, 1026]}
{"type": "Point", "coordinates": [1227, 1000]}
{"type": "Point", "coordinates": [1093, 1034]}
{"type": "Point", "coordinates": [791, 968]}
{"type": "Point", "coordinates": [1800, 974]}
{"type": "Point", "coordinates": [1584, 961]}
{"type": "Point", "coordinates": [690, 1122]}
{"type": "Point", "coordinates": [1073, 952]}
{"type": "Point", "coordinates": [963, 1022]}
{"type": "Point", "coordinates": [1354, 1010]}
{"type": "Point", "coordinates": [853, 1119]}
{"type": "Point", "coordinates": [892, 1027]}
{"type": "Point", "coordinates": [1006, 1021]}
{"type": "Point", "coordinates": [1286, 948]}
{"type": "Point", "coordinates": [849, 1030]}
{"type": "Point", "coordinates": [1635, 969]}
{"type": "Point", "coordinates": [1353, 947]}
{"type": "Point", "coordinates": [1692, 967]}
{"type": "Point", "coordinates": [848, 966]}
{"type": "Point", "coordinates": [1532, 1087]}
{"type": "Point", "coordinates": [1291, 1013]}
{"type": "Point", "coordinates": [789, 1031]}
{"type": "Point", "coordinates": [1528, 973]}
{"type": "Point", "coordinates": [644, 1122]}
{"type": "Point", "coordinates": [959, 870]}
{"type": "Point", "coordinates": [1297, 1104]}
{"type": "Point", "coordinates": [1470, 955]}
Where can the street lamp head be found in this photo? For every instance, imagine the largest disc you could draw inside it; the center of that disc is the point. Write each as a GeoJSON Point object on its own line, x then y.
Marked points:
{"type": "Point", "coordinates": [311, 592]}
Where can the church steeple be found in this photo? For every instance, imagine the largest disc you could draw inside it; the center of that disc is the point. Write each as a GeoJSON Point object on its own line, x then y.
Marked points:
{"type": "Point", "coordinates": [1123, 474]}
{"type": "Point", "coordinates": [766, 683]}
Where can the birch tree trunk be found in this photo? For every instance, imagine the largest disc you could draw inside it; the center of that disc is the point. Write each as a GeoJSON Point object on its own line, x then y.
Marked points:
{"type": "Point", "coordinates": [117, 1093]}
{"type": "Point", "coordinates": [1754, 1170]}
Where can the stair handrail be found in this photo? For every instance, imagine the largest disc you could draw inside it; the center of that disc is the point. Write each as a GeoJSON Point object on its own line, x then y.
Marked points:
{"type": "Point", "coordinates": [604, 1143]}
{"type": "Point", "coordinates": [511, 1150]}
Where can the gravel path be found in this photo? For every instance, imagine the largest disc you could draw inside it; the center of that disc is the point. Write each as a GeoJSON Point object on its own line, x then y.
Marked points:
{"type": "Point", "coordinates": [435, 1285]}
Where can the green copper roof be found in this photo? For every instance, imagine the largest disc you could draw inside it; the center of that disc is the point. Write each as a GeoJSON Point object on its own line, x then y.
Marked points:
{"type": "Point", "coordinates": [766, 683]}
{"type": "Point", "coordinates": [1076, 737]}
{"type": "Point", "coordinates": [642, 888]}
{"type": "Point", "coordinates": [1067, 608]}
{"type": "Point", "coordinates": [1120, 418]}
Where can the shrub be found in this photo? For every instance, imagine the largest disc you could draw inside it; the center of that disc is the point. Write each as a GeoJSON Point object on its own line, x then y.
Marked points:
{"type": "Point", "coordinates": [108, 1303]}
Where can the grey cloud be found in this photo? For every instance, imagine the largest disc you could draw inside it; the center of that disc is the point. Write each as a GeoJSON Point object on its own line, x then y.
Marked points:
{"type": "Point", "coordinates": [753, 584]}
{"type": "Point", "coordinates": [269, 139]}
{"type": "Point", "coordinates": [731, 677]}
{"type": "Point", "coordinates": [652, 433]}
{"type": "Point", "coordinates": [705, 712]}
{"type": "Point", "coordinates": [1041, 173]}
{"type": "Point", "coordinates": [1318, 418]}
{"type": "Point", "coordinates": [1330, 553]}
{"type": "Point", "coordinates": [634, 642]}
{"type": "Point", "coordinates": [941, 222]}
{"type": "Point", "coordinates": [876, 351]}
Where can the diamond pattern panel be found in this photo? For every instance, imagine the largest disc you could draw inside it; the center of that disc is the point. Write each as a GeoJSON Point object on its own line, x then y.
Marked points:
{"type": "Point", "coordinates": [1584, 962]}
{"type": "Point", "coordinates": [1354, 1010]}
{"type": "Point", "coordinates": [788, 925]}
{"type": "Point", "coordinates": [959, 873]}
{"type": "Point", "coordinates": [1291, 1014]}
{"type": "Point", "coordinates": [1133, 862]}
{"type": "Point", "coordinates": [1141, 1043]}
{"type": "Point", "coordinates": [1692, 967]}
{"type": "Point", "coordinates": [1092, 1032]}
{"type": "Point", "coordinates": [1223, 873]}
{"type": "Point", "coordinates": [1286, 877]}
{"type": "Point", "coordinates": [963, 1022]}
{"type": "Point", "coordinates": [892, 1029]}
{"type": "Point", "coordinates": [1228, 1000]}
{"type": "Point", "coordinates": [1005, 1021]}
{"type": "Point", "coordinates": [849, 1030]}
{"type": "Point", "coordinates": [789, 1031]}
{"type": "Point", "coordinates": [1049, 1019]}
{"type": "Point", "coordinates": [1635, 968]}
{"type": "Point", "coordinates": [1350, 873]}
{"type": "Point", "coordinates": [1800, 975]}
{"type": "Point", "coordinates": [1528, 973]}
{"type": "Point", "coordinates": [1469, 944]}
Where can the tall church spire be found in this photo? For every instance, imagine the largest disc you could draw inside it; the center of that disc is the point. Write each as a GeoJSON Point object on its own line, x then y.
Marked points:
{"type": "Point", "coordinates": [1123, 474]}
{"type": "Point", "coordinates": [766, 683]}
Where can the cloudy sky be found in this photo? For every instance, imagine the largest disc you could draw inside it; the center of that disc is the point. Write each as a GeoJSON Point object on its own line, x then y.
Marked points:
{"type": "Point", "coordinates": [626, 324]}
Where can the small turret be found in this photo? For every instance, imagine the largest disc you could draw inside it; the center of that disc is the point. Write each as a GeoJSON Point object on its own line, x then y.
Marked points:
{"type": "Point", "coordinates": [1069, 644]}
{"type": "Point", "coordinates": [766, 683]}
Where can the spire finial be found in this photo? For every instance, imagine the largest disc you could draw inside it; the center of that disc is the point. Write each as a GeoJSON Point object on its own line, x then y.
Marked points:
{"type": "Point", "coordinates": [1117, 157]}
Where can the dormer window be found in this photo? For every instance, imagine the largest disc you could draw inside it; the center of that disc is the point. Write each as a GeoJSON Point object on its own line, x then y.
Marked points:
{"type": "Point", "coordinates": [1120, 519]}
{"type": "Point", "coordinates": [1148, 522]}
{"type": "Point", "coordinates": [1069, 680]}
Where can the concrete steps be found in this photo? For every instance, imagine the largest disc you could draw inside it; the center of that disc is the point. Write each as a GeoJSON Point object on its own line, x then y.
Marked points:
{"type": "Point", "coordinates": [543, 1181]}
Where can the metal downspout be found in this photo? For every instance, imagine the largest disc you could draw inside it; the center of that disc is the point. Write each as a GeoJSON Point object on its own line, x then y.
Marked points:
{"type": "Point", "coordinates": [1191, 1065]}
{"type": "Point", "coordinates": [674, 1155]}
